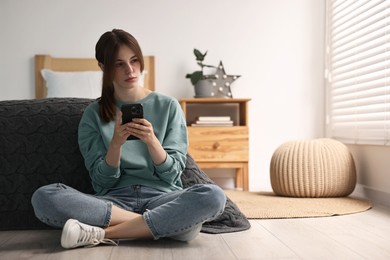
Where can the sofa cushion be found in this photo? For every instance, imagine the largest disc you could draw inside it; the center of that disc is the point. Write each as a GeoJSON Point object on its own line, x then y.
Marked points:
{"type": "Point", "coordinates": [38, 146]}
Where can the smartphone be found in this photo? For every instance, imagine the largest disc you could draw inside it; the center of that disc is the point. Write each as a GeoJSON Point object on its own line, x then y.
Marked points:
{"type": "Point", "coordinates": [130, 111]}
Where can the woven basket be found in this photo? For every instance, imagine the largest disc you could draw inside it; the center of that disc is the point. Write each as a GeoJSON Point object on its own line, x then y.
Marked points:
{"type": "Point", "coordinates": [313, 168]}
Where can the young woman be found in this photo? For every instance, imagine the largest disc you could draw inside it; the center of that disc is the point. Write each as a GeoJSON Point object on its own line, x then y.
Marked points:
{"type": "Point", "coordinates": [139, 193]}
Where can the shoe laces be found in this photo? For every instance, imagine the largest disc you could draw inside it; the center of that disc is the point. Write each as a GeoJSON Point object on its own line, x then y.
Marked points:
{"type": "Point", "coordinates": [93, 236]}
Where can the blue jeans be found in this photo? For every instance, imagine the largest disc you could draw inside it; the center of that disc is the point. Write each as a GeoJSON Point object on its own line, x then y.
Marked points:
{"type": "Point", "coordinates": [177, 214]}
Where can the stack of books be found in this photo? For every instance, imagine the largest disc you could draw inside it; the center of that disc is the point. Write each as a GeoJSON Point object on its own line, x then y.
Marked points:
{"type": "Point", "coordinates": [213, 121]}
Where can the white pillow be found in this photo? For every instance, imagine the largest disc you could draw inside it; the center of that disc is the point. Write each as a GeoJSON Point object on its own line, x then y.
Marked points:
{"type": "Point", "coordinates": [81, 84]}
{"type": "Point", "coordinates": [84, 84]}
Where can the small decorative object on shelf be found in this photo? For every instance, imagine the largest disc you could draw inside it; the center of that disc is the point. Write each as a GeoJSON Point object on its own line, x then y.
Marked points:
{"type": "Point", "coordinates": [212, 85]}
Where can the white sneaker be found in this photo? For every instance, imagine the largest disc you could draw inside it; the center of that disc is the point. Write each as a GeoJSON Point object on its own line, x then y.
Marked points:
{"type": "Point", "coordinates": [76, 234]}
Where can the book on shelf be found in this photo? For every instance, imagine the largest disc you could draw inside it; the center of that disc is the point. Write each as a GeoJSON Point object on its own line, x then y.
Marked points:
{"type": "Point", "coordinates": [214, 118]}
{"type": "Point", "coordinates": [213, 121]}
{"type": "Point", "coordinates": [211, 124]}
{"type": "Point", "coordinates": [230, 122]}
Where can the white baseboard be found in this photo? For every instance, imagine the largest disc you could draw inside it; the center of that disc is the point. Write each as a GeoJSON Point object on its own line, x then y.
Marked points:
{"type": "Point", "coordinates": [376, 196]}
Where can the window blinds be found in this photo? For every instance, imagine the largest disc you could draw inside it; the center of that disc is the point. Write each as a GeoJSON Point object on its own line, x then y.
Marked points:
{"type": "Point", "coordinates": [358, 71]}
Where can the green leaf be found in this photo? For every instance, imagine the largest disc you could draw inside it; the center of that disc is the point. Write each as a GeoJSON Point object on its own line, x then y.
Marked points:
{"type": "Point", "coordinates": [199, 56]}
{"type": "Point", "coordinates": [196, 76]}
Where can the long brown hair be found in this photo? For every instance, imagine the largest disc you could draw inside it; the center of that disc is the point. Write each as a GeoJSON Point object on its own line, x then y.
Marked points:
{"type": "Point", "coordinates": [106, 52]}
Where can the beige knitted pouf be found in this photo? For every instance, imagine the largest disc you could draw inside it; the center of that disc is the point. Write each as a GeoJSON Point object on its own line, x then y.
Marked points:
{"type": "Point", "coordinates": [313, 168]}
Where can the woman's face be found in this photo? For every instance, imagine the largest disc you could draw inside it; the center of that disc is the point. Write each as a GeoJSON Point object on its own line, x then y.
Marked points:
{"type": "Point", "coordinates": [127, 69]}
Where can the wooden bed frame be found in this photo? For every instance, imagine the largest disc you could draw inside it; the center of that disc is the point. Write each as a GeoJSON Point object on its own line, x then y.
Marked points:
{"type": "Point", "coordinates": [79, 64]}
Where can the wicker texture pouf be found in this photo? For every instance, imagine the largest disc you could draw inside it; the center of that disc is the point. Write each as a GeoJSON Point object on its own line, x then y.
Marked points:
{"type": "Point", "coordinates": [313, 168]}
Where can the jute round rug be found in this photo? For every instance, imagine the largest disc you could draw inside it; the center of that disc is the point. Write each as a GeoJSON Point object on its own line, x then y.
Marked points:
{"type": "Point", "coordinates": [258, 205]}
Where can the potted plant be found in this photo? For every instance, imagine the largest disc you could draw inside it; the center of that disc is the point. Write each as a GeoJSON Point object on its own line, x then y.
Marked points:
{"type": "Point", "coordinates": [199, 74]}
{"type": "Point", "coordinates": [199, 80]}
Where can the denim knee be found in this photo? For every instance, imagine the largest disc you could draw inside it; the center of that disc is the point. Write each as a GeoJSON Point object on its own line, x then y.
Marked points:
{"type": "Point", "coordinates": [40, 196]}
{"type": "Point", "coordinates": [42, 203]}
{"type": "Point", "coordinates": [215, 200]}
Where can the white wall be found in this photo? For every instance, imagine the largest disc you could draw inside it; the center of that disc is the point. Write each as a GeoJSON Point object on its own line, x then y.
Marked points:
{"type": "Point", "coordinates": [276, 45]}
{"type": "Point", "coordinates": [373, 168]}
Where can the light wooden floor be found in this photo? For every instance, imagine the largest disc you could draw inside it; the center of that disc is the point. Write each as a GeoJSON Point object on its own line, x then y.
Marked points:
{"type": "Point", "coordinates": [358, 236]}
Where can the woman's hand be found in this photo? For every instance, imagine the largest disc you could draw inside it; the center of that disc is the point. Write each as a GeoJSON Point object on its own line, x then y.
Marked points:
{"type": "Point", "coordinates": [121, 132]}
{"type": "Point", "coordinates": [142, 129]}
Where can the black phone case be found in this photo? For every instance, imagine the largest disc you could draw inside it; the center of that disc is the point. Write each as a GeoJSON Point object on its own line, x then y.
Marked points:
{"type": "Point", "coordinates": [130, 111]}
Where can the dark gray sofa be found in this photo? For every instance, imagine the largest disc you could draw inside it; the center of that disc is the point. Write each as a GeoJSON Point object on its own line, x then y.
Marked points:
{"type": "Point", "coordinates": [38, 146]}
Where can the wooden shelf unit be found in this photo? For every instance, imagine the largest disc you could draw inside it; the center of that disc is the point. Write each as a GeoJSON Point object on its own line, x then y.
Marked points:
{"type": "Point", "coordinates": [220, 146]}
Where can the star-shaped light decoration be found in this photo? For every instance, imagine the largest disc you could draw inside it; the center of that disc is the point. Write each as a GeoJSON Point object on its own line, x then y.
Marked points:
{"type": "Point", "coordinates": [221, 82]}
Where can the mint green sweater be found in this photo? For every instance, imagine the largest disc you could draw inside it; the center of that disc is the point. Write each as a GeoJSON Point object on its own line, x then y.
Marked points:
{"type": "Point", "coordinates": [136, 166]}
